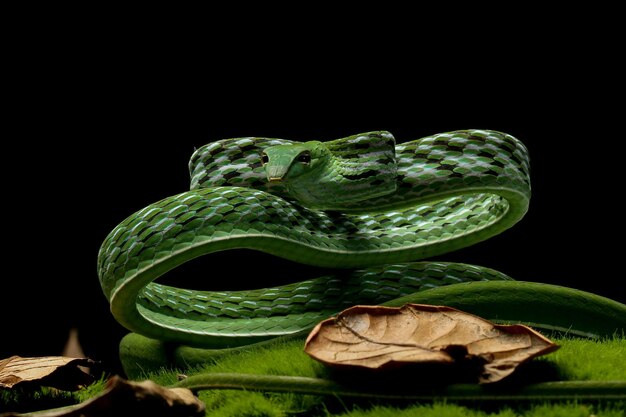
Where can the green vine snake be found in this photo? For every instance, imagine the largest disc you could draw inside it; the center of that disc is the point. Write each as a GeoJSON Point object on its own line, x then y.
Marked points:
{"type": "Point", "coordinates": [361, 203]}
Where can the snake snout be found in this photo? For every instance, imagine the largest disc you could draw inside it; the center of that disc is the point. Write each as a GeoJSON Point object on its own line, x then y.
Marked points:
{"type": "Point", "coordinates": [276, 173]}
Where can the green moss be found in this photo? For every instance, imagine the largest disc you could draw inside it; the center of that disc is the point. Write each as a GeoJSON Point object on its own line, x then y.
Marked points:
{"type": "Point", "coordinates": [578, 359]}
{"type": "Point", "coordinates": [26, 399]}
{"type": "Point", "coordinates": [431, 410]}
{"type": "Point", "coordinates": [583, 359]}
{"type": "Point", "coordinates": [453, 410]}
{"type": "Point", "coordinates": [285, 358]}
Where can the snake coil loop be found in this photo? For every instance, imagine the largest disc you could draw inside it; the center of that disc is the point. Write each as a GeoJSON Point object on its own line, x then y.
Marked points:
{"type": "Point", "coordinates": [361, 203]}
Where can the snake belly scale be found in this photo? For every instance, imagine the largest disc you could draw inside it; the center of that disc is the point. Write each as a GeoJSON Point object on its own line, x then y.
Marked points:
{"type": "Point", "coordinates": [361, 203]}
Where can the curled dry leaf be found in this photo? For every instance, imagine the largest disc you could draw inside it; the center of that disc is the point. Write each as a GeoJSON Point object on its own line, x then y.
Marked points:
{"type": "Point", "coordinates": [378, 337]}
{"type": "Point", "coordinates": [122, 397]}
{"type": "Point", "coordinates": [51, 371]}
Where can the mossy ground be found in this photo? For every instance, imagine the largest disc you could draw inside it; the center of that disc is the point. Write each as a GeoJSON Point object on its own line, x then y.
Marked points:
{"type": "Point", "coordinates": [577, 359]}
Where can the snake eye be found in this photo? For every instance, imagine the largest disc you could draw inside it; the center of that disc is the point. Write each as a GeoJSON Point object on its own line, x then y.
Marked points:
{"type": "Point", "coordinates": [304, 157]}
{"type": "Point", "coordinates": [265, 159]}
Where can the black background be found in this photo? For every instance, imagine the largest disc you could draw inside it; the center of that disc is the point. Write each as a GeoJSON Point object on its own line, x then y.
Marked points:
{"type": "Point", "coordinates": [93, 140]}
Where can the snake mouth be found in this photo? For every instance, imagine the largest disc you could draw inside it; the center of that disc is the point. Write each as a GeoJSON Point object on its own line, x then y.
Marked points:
{"type": "Point", "coordinates": [275, 179]}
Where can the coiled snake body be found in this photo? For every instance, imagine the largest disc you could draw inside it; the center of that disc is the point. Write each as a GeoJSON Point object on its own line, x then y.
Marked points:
{"type": "Point", "coordinates": [361, 203]}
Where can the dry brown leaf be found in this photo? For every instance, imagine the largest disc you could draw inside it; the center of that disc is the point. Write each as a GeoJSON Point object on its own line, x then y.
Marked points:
{"type": "Point", "coordinates": [379, 337]}
{"type": "Point", "coordinates": [50, 371]}
{"type": "Point", "coordinates": [122, 397]}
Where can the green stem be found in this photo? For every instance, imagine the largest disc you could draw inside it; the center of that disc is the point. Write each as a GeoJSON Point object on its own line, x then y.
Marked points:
{"type": "Point", "coordinates": [561, 390]}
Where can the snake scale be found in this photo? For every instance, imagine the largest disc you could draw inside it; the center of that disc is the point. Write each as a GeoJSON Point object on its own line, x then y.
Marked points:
{"type": "Point", "coordinates": [362, 203]}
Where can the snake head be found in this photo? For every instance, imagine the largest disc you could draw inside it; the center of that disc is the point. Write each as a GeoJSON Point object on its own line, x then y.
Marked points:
{"type": "Point", "coordinates": [336, 175]}
{"type": "Point", "coordinates": [288, 162]}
